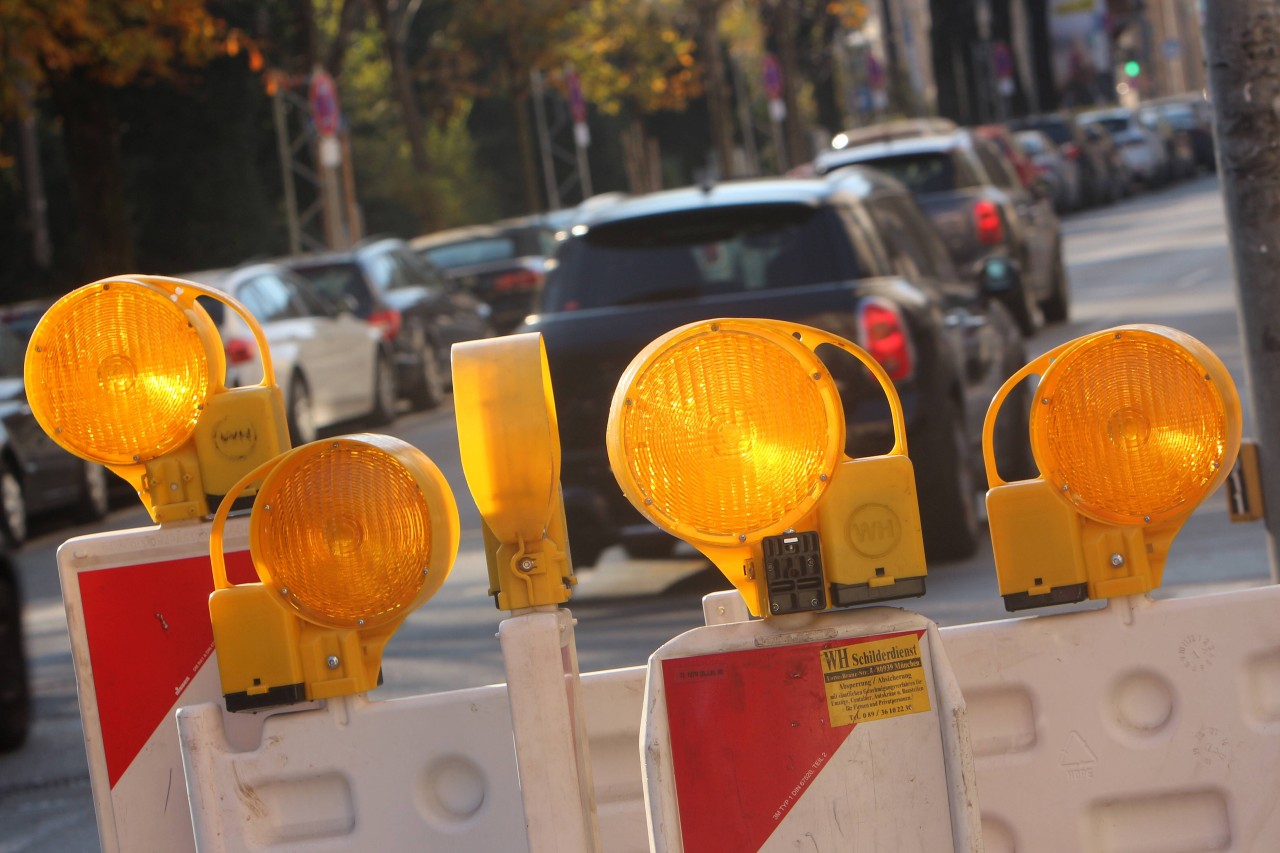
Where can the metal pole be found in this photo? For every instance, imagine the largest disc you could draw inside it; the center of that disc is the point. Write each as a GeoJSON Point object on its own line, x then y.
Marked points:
{"type": "Point", "coordinates": [286, 171]}
{"type": "Point", "coordinates": [1244, 81]}
{"type": "Point", "coordinates": [544, 141]}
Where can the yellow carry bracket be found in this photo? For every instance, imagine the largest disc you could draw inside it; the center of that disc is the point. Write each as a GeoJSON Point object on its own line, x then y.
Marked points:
{"type": "Point", "coordinates": [129, 372]}
{"type": "Point", "coordinates": [510, 445]}
{"type": "Point", "coordinates": [348, 535]}
{"type": "Point", "coordinates": [730, 434]}
{"type": "Point", "coordinates": [1131, 428]}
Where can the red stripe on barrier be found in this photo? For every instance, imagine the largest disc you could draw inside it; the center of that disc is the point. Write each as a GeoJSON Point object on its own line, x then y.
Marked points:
{"type": "Point", "coordinates": [148, 632]}
{"type": "Point", "coordinates": [750, 731]}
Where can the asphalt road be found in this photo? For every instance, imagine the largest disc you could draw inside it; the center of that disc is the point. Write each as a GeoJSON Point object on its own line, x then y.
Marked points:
{"type": "Point", "coordinates": [1159, 258]}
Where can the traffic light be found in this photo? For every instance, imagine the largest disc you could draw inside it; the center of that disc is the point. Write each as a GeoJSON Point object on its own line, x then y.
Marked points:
{"type": "Point", "coordinates": [348, 535]}
{"type": "Point", "coordinates": [1132, 68]}
{"type": "Point", "coordinates": [510, 444]}
{"type": "Point", "coordinates": [1131, 428]}
{"type": "Point", "coordinates": [730, 434]}
{"type": "Point", "coordinates": [129, 372]}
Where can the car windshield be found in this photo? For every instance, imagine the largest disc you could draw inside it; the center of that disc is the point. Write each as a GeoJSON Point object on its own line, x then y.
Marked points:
{"type": "Point", "coordinates": [337, 281]}
{"type": "Point", "coordinates": [1030, 143]}
{"type": "Point", "coordinates": [698, 253]}
{"type": "Point", "coordinates": [1180, 117]}
{"type": "Point", "coordinates": [929, 172]}
{"type": "Point", "coordinates": [467, 252]}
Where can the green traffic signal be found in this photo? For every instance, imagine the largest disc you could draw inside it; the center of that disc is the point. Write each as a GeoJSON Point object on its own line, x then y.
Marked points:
{"type": "Point", "coordinates": [1132, 68]}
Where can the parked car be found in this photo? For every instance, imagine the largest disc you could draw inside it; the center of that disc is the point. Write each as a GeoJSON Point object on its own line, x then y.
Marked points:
{"type": "Point", "coordinates": [1121, 176]}
{"type": "Point", "coordinates": [1193, 115]}
{"type": "Point", "coordinates": [1097, 176]}
{"type": "Point", "coordinates": [331, 365]}
{"type": "Point", "coordinates": [504, 264]}
{"type": "Point", "coordinates": [1060, 174]}
{"type": "Point", "coordinates": [1143, 149]}
{"type": "Point", "coordinates": [852, 254]}
{"type": "Point", "coordinates": [977, 201]}
{"type": "Point", "coordinates": [905, 128]}
{"type": "Point", "coordinates": [1178, 144]}
{"type": "Point", "coordinates": [1000, 136]}
{"type": "Point", "coordinates": [37, 475]}
{"type": "Point", "coordinates": [15, 684]}
{"type": "Point", "coordinates": [418, 310]}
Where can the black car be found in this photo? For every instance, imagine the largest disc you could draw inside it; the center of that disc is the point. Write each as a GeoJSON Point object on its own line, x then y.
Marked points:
{"type": "Point", "coordinates": [420, 311]}
{"type": "Point", "coordinates": [15, 687]}
{"type": "Point", "coordinates": [854, 256]}
{"type": "Point", "coordinates": [1101, 184]}
{"type": "Point", "coordinates": [36, 475]}
{"type": "Point", "coordinates": [503, 264]}
{"type": "Point", "coordinates": [973, 194]}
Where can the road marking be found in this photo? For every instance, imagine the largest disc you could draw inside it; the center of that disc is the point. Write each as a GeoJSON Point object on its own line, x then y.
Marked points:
{"type": "Point", "coordinates": [1196, 276]}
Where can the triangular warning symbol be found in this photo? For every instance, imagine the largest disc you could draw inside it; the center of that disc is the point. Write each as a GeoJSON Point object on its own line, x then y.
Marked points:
{"type": "Point", "coordinates": [1077, 752]}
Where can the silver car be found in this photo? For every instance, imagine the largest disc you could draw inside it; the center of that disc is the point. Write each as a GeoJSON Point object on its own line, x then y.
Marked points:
{"type": "Point", "coordinates": [331, 365]}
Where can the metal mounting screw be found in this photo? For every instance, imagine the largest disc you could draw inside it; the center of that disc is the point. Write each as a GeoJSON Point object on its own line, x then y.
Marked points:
{"type": "Point", "coordinates": [742, 537]}
{"type": "Point", "coordinates": [332, 662]}
{"type": "Point", "coordinates": [1117, 560]}
{"type": "Point", "coordinates": [1147, 519]}
{"type": "Point", "coordinates": [1044, 401]}
{"type": "Point", "coordinates": [284, 590]}
{"type": "Point", "coordinates": [359, 621]}
{"type": "Point", "coordinates": [526, 565]}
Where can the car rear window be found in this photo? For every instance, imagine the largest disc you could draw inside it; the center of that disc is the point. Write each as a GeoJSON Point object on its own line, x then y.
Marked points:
{"type": "Point", "coordinates": [1117, 124]}
{"type": "Point", "coordinates": [1057, 130]}
{"type": "Point", "coordinates": [468, 252]}
{"type": "Point", "coordinates": [337, 281]}
{"type": "Point", "coordinates": [697, 253]}
{"type": "Point", "coordinates": [929, 172]}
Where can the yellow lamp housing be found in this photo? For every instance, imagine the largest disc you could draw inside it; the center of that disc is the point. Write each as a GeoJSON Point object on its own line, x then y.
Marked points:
{"type": "Point", "coordinates": [510, 444]}
{"type": "Point", "coordinates": [129, 372]}
{"type": "Point", "coordinates": [348, 535]}
{"type": "Point", "coordinates": [1131, 428]}
{"type": "Point", "coordinates": [730, 434]}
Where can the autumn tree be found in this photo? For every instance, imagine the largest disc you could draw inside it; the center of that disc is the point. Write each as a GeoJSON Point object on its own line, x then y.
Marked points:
{"type": "Point", "coordinates": [75, 53]}
{"type": "Point", "coordinates": [633, 60]}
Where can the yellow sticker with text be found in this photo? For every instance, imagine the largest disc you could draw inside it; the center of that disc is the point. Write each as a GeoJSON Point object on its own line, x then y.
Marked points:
{"type": "Point", "coordinates": [874, 680]}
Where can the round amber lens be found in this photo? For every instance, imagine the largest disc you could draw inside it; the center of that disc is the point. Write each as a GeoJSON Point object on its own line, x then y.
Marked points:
{"type": "Point", "coordinates": [1130, 427]}
{"type": "Point", "coordinates": [116, 373]}
{"type": "Point", "coordinates": [344, 535]}
{"type": "Point", "coordinates": [726, 433]}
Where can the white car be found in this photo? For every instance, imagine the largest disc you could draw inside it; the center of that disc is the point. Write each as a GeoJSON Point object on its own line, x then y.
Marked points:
{"type": "Point", "coordinates": [331, 365]}
{"type": "Point", "coordinates": [1141, 147]}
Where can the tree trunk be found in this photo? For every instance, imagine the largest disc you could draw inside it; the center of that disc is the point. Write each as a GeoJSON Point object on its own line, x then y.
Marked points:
{"type": "Point", "coordinates": [799, 149]}
{"type": "Point", "coordinates": [403, 85]}
{"type": "Point", "coordinates": [528, 164]}
{"type": "Point", "coordinates": [717, 87]}
{"type": "Point", "coordinates": [96, 176]}
{"type": "Point", "coordinates": [1240, 39]}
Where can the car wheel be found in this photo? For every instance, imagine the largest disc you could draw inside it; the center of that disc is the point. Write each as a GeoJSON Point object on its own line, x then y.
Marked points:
{"type": "Point", "coordinates": [95, 494]}
{"type": "Point", "coordinates": [1058, 305]}
{"type": "Point", "coordinates": [428, 391]}
{"type": "Point", "coordinates": [299, 415]}
{"type": "Point", "coordinates": [945, 485]}
{"type": "Point", "coordinates": [1025, 308]}
{"type": "Point", "coordinates": [15, 689]}
{"type": "Point", "coordinates": [13, 505]}
{"type": "Point", "coordinates": [384, 392]}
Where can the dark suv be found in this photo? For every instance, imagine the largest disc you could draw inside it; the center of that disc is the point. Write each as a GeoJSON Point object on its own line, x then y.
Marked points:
{"type": "Point", "coordinates": [419, 310]}
{"type": "Point", "coordinates": [854, 256]}
{"type": "Point", "coordinates": [983, 210]}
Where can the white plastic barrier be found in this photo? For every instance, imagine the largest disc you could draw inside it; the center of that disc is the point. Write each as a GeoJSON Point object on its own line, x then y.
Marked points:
{"type": "Point", "coordinates": [439, 770]}
{"type": "Point", "coordinates": [1145, 726]}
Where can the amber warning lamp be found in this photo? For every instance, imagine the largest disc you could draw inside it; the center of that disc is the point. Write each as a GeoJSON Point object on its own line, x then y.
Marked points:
{"type": "Point", "coordinates": [730, 434]}
{"type": "Point", "coordinates": [129, 372]}
{"type": "Point", "coordinates": [348, 535]}
{"type": "Point", "coordinates": [1131, 428]}
{"type": "Point", "coordinates": [510, 445]}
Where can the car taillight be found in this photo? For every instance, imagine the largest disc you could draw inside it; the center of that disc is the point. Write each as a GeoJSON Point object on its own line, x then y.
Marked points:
{"type": "Point", "coordinates": [517, 280]}
{"type": "Point", "coordinates": [1070, 150]}
{"type": "Point", "coordinates": [990, 228]}
{"type": "Point", "coordinates": [884, 336]}
{"type": "Point", "coordinates": [240, 350]}
{"type": "Point", "coordinates": [388, 321]}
